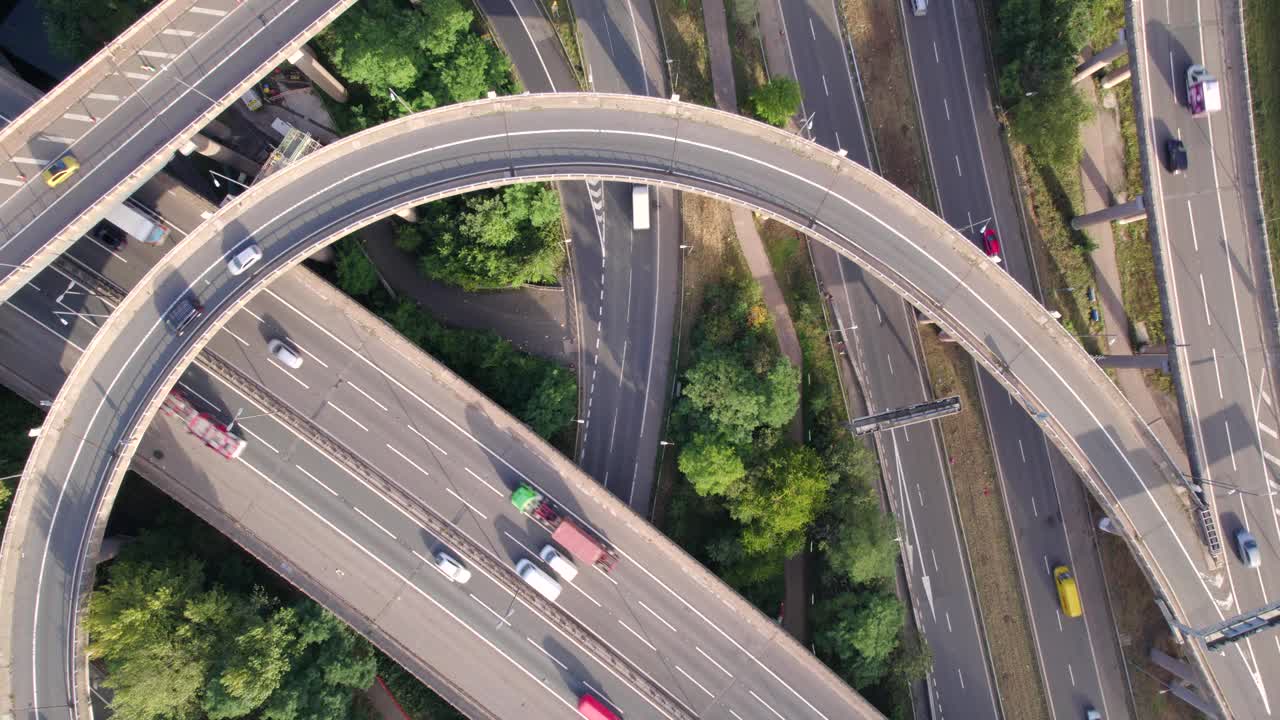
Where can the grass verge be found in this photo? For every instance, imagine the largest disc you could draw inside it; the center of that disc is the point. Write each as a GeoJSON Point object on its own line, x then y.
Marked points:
{"type": "Point", "coordinates": [686, 39]}
{"type": "Point", "coordinates": [560, 12]}
{"type": "Point", "coordinates": [1140, 626]}
{"type": "Point", "coordinates": [1262, 17]}
{"type": "Point", "coordinates": [891, 108]}
{"type": "Point", "coordinates": [749, 70]}
{"type": "Point", "coordinates": [986, 529]}
{"type": "Point", "coordinates": [16, 417]}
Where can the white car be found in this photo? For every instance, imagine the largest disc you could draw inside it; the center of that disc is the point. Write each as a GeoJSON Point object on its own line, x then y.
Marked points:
{"type": "Point", "coordinates": [244, 259]}
{"type": "Point", "coordinates": [452, 569]}
{"type": "Point", "coordinates": [563, 566]}
{"type": "Point", "coordinates": [281, 351]}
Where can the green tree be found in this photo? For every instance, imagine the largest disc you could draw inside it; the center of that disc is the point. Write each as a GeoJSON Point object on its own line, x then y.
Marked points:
{"type": "Point", "coordinates": [713, 468]}
{"type": "Point", "coordinates": [857, 635]}
{"type": "Point", "coordinates": [16, 417]}
{"type": "Point", "coordinates": [379, 44]}
{"type": "Point", "coordinates": [552, 404]}
{"type": "Point", "coordinates": [776, 101]}
{"type": "Point", "coordinates": [356, 274]}
{"type": "Point", "coordinates": [780, 500]}
{"type": "Point", "coordinates": [856, 536]}
{"type": "Point", "coordinates": [79, 28]}
{"type": "Point", "coordinates": [729, 402]}
{"type": "Point", "coordinates": [332, 663]}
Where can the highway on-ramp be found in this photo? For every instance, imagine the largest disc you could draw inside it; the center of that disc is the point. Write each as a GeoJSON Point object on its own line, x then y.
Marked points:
{"type": "Point", "coordinates": [118, 384]}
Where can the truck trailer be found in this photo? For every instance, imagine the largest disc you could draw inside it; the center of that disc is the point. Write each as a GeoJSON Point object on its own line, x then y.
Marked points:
{"type": "Point", "coordinates": [566, 533]}
{"type": "Point", "coordinates": [203, 425]}
{"type": "Point", "coordinates": [1204, 96]}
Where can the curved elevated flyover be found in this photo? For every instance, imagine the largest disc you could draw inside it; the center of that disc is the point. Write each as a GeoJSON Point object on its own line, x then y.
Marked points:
{"type": "Point", "coordinates": [125, 111]}
{"type": "Point", "coordinates": [116, 389]}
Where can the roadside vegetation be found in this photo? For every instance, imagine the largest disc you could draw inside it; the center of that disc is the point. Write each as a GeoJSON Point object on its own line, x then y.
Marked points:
{"type": "Point", "coordinates": [859, 622]}
{"type": "Point", "coordinates": [397, 59]}
{"type": "Point", "coordinates": [1035, 43]}
{"type": "Point", "coordinates": [777, 101]}
{"type": "Point", "coordinates": [566, 24]}
{"type": "Point", "coordinates": [189, 627]}
{"type": "Point", "coordinates": [416, 699]}
{"type": "Point", "coordinates": [17, 416]}
{"type": "Point", "coordinates": [685, 35]}
{"type": "Point", "coordinates": [79, 28]}
{"type": "Point", "coordinates": [749, 71]}
{"type": "Point", "coordinates": [539, 392]}
{"type": "Point", "coordinates": [1262, 17]}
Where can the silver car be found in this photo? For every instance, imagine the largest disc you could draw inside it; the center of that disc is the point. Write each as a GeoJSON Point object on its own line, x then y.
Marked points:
{"type": "Point", "coordinates": [1247, 547]}
{"type": "Point", "coordinates": [245, 258]}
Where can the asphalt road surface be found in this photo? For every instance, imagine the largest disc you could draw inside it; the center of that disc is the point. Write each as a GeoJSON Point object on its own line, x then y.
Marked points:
{"type": "Point", "coordinates": [621, 275]}
{"type": "Point", "coordinates": [879, 329]}
{"type": "Point", "coordinates": [1223, 314]}
{"type": "Point", "coordinates": [124, 112]}
{"type": "Point", "coordinates": [417, 158]}
{"type": "Point", "coordinates": [1079, 659]}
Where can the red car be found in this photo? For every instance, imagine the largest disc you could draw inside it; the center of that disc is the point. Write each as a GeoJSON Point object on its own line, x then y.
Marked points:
{"type": "Point", "coordinates": [991, 243]}
{"type": "Point", "coordinates": [591, 708]}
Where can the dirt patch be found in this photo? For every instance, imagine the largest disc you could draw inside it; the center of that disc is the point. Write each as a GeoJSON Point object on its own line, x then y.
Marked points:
{"type": "Point", "coordinates": [891, 101]}
{"type": "Point", "coordinates": [986, 530]}
{"type": "Point", "coordinates": [1140, 626]}
{"type": "Point", "coordinates": [685, 36]}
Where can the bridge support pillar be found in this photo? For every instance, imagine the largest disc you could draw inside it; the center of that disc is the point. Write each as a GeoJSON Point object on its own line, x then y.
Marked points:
{"type": "Point", "coordinates": [1135, 209]}
{"type": "Point", "coordinates": [1101, 59]}
{"type": "Point", "coordinates": [408, 214]}
{"type": "Point", "coordinates": [1116, 77]}
{"type": "Point", "coordinates": [306, 62]}
{"type": "Point", "coordinates": [211, 148]}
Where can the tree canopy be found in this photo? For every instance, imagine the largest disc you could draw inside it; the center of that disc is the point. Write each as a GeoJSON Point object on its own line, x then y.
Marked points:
{"type": "Point", "coordinates": [79, 28]}
{"type": "Point", "coordinates": [490, 239]}
{"type": "Point", "coordinates": [861, 631]}
{"type": "Point", "coordinates": [183, 639]}
{"type": "Point", "coordinates": [776, 101]}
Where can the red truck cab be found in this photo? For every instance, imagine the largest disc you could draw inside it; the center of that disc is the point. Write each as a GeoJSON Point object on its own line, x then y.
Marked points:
{"type": "Point", "coordinates": [591, 708]}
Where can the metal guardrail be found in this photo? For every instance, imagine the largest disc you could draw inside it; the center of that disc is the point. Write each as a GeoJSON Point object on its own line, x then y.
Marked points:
{"type": "Point", "coordinates": [494, 567]}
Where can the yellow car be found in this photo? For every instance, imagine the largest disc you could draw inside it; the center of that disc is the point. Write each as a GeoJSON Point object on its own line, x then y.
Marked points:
{"type": "Point", "coordinates": [61, 169]}
{"type": "Point", "coordinates": [1068, 593]}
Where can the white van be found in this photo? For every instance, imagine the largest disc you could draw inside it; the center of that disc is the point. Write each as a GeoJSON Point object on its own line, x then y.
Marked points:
{"type": "Point", "coordinates": [538, 579]}
{"type": "Point", "coordinates": [640, 207]}
{"type": "Point", "coordinates": [563, 566]}
{"type": "Point", "coordinates": [919, 7]}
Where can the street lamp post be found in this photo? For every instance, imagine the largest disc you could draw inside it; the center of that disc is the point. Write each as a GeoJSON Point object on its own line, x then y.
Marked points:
{"type": "Point", "coordinates": [217, 184]}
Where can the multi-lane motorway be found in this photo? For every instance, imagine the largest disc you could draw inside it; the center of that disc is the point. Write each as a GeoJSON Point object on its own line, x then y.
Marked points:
{"type": "Point", "coordinates": [431, 154]}
{"type": "Point", "coordinates": [1079, 659]}
{"type": "Point", "coordinates": [1215, 265]}
{"type": "Point", "coordinates": [880, 330]}
{"type": "Point", "coordinates": [128, 108]}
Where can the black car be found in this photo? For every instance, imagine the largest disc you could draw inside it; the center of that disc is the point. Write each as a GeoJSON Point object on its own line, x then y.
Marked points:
{"type": "Point", "coordinates": [109, 235]}
{"type": "Point", "coordinates": [1175, 155]}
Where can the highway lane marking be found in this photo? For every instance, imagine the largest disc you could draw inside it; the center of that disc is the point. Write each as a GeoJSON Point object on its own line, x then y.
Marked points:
{"type": "Point", "coordinates": [178, 33]}
{"type": "Point", "coordinates": [46, 327]}
{"type": "Point", "coordinates": [1265, 397]}
{"type": "Point", "coordinates": [1022, 452]}
{"type": "Point", "coordinates": [11, 183]}
{"type": "Point", "coordinates": [375, 522]}
{"type": "Point", "coordinates": [252, 314]}
{"type": "Point", "coordinates": [29, 161]}
{"type": "Point", "coordinates": [936, 58]}
{"type": "Point", "coordinates": [474, 509]}
{"type": "Point", "coordinates": [602, 696]}
{"type": "Point", "coordinates": [762, 702]}
{"type": "Point", "coordinates": [1047, 571]}
{"type": "Point", "coordinates": [736, 715]}
{"type": "Point", "coordinates": [659, 617]}
{"type": "Point", "coordinates": [103, 96]}
{"type": "Point", "coordinates": [78, 117]}
{"type": "Point", "coordinates": [317, 480]}
{"type": "Point", "coordinates": [1059, 614]}
{"type": "Point", "coordinates": [695, 682]}
{"type": "Point", "coordinates": [1217, 374]}
{"type": "Point", "coordinates": [812, 34]}
{"type": "Point", "coordinates": [1231, 450]}
{"type": "Point", "coordinates": [440, 606]}
{"type": "Point", "coordinates": [825, 89]}
{"type": "Point", "coordinates": [890, 360]}
{"type": "Point", "coordinates": [237, 337]}
{"type": "Point", "coordinates": [712, 660]}
{"type": "Point", "coordinates": [311, 355]}
{"type": "Point", "coordinates": [961, 676]}
{"type": "Point", "coordinates": [1191, 223]}
{"type": "Point", "coordinates": [1205, 297]}
{"type": "Point", "coordinates": [935, 560]}
{"type": "Point", "coordinates": [347, 415]}
{"type": "Point", "coordinates": [406, 459]}
{"type": "Point", "coordinates": [544, 651]}
{"type": "Point", "coordinates": [958, 170]}
{"type": "Point", "coordinates": [136, 76]}
{"type": "Point", "coordinates": [286, 372]}
{"type": "Point", "coordinates": [495, 490]}
{"type": "Point", "coordinates": [369, 397]}
{"type": "Point", "coordinates": [638, 635]}
{"type": "Point", "coordinates": [501, 619]}
{"type": "Point", "coordinates": [258, 438]}
{"type": "Point", "coordinates": [946, 108]}
{"type": "Point", "coordinates": [604, 574]}
{"type": "Point", "coordinates": [533, 44]}
{"type": "Point", "coordinates": [1072, 673]}
{"type": "Point", "coordinates": [1269, 431]}
{"type": "Point", "coordinates": [920, 494]}
{"type": "Point", "coordinates": [56, 139]}
{"type": "Point", "coordinates": [948, 616]}
{"type": "Point", "coordinates": [207, 11]}
{"type": "Point", "coordinates": [428, 440]}
{"type": "Point", "coordinates": [1035, 512]}
{"type": "Point", "coordinates": [1266, 456]}
{"type": "Point", "coordinates": [157, 54]}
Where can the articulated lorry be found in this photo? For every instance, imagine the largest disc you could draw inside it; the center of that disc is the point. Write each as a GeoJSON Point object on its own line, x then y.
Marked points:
{"type": "Point", "coordinates": [203, 426]}
{"type": "Point", "coordinates": [566, 533]}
